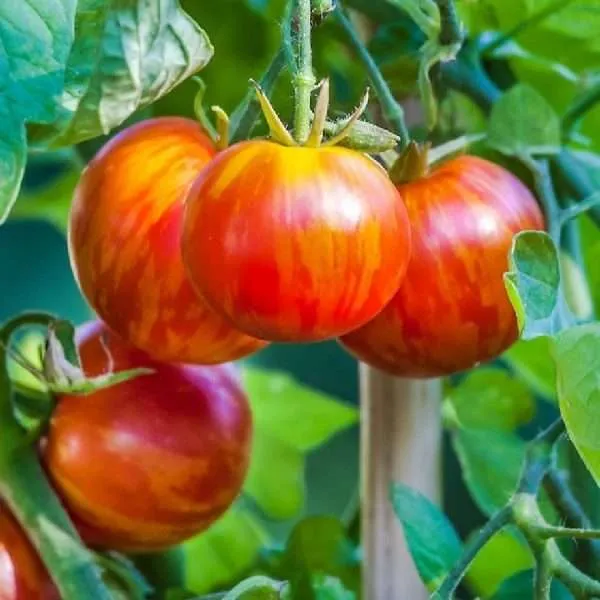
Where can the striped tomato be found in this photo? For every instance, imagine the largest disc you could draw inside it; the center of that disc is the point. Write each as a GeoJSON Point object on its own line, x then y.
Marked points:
{"type": "Point", "coordinates": [293, 243]}
{"type": "Point", "coordinates": [452, 310]}
{"type": "Point", "coordinates": [124, 243]}
{"type": "Point", "coordinates": [152, 461]}
{"type": "Point", "coordinates": [22, 574]}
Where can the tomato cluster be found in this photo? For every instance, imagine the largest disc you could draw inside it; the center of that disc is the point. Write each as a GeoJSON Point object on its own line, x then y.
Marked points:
{"type": "Point", "coordinates": [193, 258]}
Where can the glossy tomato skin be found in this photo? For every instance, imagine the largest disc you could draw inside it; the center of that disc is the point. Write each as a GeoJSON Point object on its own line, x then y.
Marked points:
{"type": "Point", "coordinates": [124, 244]}
{"type": "Point", "coordinates": [147, 463]}
{"type": "Point", "coordinates": [452, 310]}
{"type": "Point", "coordinates": [22, 574]}
{"type": "Point", "coordinates": [295, 244]}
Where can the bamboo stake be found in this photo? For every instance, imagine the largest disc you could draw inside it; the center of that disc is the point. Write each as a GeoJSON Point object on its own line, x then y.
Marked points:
{"type": "Point", "coordinates": [400, 441]}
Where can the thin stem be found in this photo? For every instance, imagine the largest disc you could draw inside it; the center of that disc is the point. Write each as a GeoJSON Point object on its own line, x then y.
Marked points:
{"type": "Point", "coordinates": [582, 585]}
{"type": "Point", "coordinates": [542, 578]}
{"type": "Point", "coordinates": [557, 488]}
{"type": "Point", "coordinates": [454, 577]}
{"type": "Point", "coordinates": [547, 196]}
{"type": "Point", "coordinates": [568, 532]}
{"type": "Point", "coordinates": [580, 107]}
{"type": "Point", "coordinates": [525, 24]}
{"type": "Point", "coordinates": [304, 78]}
{"type": "Point", "coordinates": [570, 212]}
{"type": "Point", "coordinates": [246, 114]}
{"type": "Point", "coordinates": [25, 490]}
{"type": "Point", "coordinates": [451, 31]}
{"type": "Point", "coordinates": [391, 109]}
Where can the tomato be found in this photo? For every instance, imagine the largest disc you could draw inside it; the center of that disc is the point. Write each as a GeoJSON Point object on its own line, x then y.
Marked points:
{"type": "Point", "coordinates": [147, 463]}
{"type": "Point", "coordinates": [124, 244]}
{"type": "Point", "coordinates": [22, 573]}
{"type": "Point", "coordinates": [295, 244]}
{"type": "Point", "coordinates": [452, 311]}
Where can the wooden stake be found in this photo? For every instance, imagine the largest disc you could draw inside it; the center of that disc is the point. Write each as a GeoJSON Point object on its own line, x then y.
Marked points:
{"type": "Point", "coordinates": [400, 441]}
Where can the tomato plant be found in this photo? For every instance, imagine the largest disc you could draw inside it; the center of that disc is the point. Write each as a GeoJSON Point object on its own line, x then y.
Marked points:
{"type": "Point", "coordinates": [22, 573]}
{"type": "Point", "coordinates": [124, 243]}
{"type": "Point", "coordinates": [452, 312]}
{"type": "Point", "coordinates": [442, 229]}
{"type": "Point", "coordinates": [295, 244]}
{"type": "Point", "coordinates": [177, 442]}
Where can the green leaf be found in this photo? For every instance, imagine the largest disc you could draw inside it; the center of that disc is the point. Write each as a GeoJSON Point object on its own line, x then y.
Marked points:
{"type": "Point", "coordinates": [491, 462]}
{"type": "Point", "coordinates": [532, 361]}
{"type": "Point", "coordinates": [127, 54]}
{"type": "Point", "coordinates": [504, 555]}
{"type": "Point", "coordinates": [225, 551]}
{"type": "Point", "coordinates": [523, 123]}
{"type": "Point", "coordinates": [319, 546]}
{"type": "Point", "coordinates": [35, 37]}
{"type": "Point", "coordinates": [256, 588]}
{"type": "Point", "coordinates": [432, 540]}
{"type": "Point", "coordinates": [326, 587]}
{"type": "Point", "coordinates": [577, 355]}
{"type": "Point", "coordinates": [290, 420]}
{"type": "Point", "coordinates": [533, 284]}
{"type": "Point", "coordinates": [491, 398]}
{"type": "Point", "coordinates": [520, 587]}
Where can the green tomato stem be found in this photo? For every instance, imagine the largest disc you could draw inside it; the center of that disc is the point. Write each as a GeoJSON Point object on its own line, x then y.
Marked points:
{"type": "Point", "coordinates": [391, 108]}
{"type": "Point", "coordinates": [451, 31]}
{"type": "Point", "coordinates": [500, 520]}
{"type": "Point", "coordinates": [579, 108]}
{"type": "Point", "coordinates": [303, 78]}
{"type": "Point", "coordinates": [27, 493]}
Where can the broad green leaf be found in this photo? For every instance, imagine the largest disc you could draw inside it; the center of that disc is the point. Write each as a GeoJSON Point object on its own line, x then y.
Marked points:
{"type": "Point", "coordinates": [36, 38]}
{"type": "Point", "coordinates": [532, 361]}
{"type": "Point", "coordinates": [577, 355]}
{"type": "Point", "coordinates": [50, 203]}
{"type": "Point", "coordinates": [533, 284]}
{"type": "Point", "coordinates": [520, 587]}
{"type": "Point", "coordinates": [491, 462]}
{"type": "Point", "coordinates": [225, 551]}
{"type": "Point", "coordinates": [326, 587]}
{"type": "Point", "coordinates": [290, 420]}
{"type": "Point", "coordinates": [523, 123]}
{"type": "Point", "coordinates": [319, 546]}
{"type": "Point", "coordinates": [504, 555]}
{"type": "Point", "coordinates": [491, 398]}
{"type": "Point", "coordinates": [432, 540]}
{"type": "Point", "coordinates": [256, 588]}
{"type": "Point", "coordinates": [127, 54]}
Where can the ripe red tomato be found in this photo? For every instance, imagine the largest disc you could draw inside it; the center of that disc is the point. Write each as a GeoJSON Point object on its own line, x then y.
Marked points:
{"type": "Point", "coordinates": [124, 244]}
{"type": "Point", "coordinates": [452, 311]}
{"type": "Point", "coordinates": [152, 461]}
{"type": "Point", "coordinates": [22, 573]}
{"type": "Point", "coordinates": [295, 244]}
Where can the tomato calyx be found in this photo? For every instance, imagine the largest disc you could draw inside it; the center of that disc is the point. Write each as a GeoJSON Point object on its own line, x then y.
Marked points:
{"type": "Point", "coordinates": [348, 131]}
{"type": "Point", "coordinates": [412, 164]}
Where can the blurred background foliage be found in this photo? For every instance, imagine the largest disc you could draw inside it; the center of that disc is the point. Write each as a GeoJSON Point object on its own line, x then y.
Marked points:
{"type": "Point", "coordinates": [559, 55]}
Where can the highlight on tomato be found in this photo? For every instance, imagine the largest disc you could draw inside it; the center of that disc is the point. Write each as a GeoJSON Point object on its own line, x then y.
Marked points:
{"type": "Point", "coordinates": [152, 461]}
{"type": "Point", "coordinates": [22, 573]}
{"type": "Point", "coordinates": [295, 243]}
{"type": "Point", "coordinates": [124, 244]}
{"type": "Point", "coordinates": [452, 310]}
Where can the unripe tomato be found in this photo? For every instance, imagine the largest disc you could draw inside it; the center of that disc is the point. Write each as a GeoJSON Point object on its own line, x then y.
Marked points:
{"type": "Point", "coordinates": [22, 573]}
{"type": "Point", "coordinates": [452, 311]}
{"type": "Point", "coordinates": [295, 244]}
{"type": "Point", "coordinates": [149, 462]}
{"type": "Point", "coordinates": [124, 244]}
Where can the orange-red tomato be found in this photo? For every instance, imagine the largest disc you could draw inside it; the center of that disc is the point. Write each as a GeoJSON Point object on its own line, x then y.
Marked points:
{"type": "Point", "coordinates": [452, 311]}
{"type": "Point", "coordinates": [151, 461]}
{"type": "Point", "coordinates": [295, 244]}
{"type": "Point", "coordinates": [124, 244]}
{"type": "Point", "coordinates": [22, 574]}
